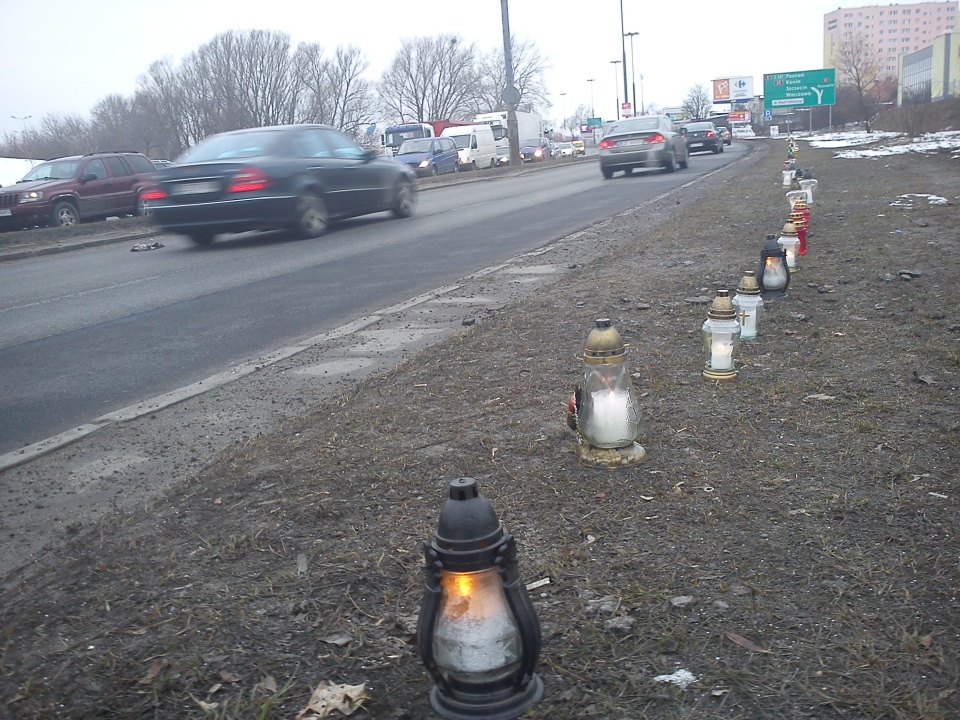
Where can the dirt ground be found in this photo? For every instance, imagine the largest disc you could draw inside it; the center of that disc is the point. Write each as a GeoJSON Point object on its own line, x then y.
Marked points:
{"type": "Point", "coordinates": [791, 541]}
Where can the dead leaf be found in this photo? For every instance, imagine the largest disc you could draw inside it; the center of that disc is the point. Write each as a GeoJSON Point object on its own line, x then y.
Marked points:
{"type": "Point", "coordinates": [301, 564]}
{"type": "Point", "coordinates": [339, 639]}
{"type": "Point", "coordinates": [327, 698]}
{"type": "Point", "coordinates": [229, 677]}
{"type": "Point", "coordinates": [746, 644]}
{"type": "Point", "coordinates": [819, 396]}
{"type": "Point", "coordinates": [152, 673]}
{"type": "Point", "coordinates": [218, 501]}
{"type": "Point", "coordinates": [925, 379]}
{"type": "Point", "coordinates": [215, 688]}
{"type": "Point", "coordinates": [926, 641]}
{"type": "Point", "coordinates": [268, 683]}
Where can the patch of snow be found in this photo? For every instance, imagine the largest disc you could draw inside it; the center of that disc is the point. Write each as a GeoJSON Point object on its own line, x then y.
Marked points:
{"type": "Point", "coordinates": [887, 143]}
{"type": "Point", "coordinates": [12, 169]}
{"type": "Point", "coordinates": [907, 200]}
{"type": "Point", "coordinates": [680, 677]}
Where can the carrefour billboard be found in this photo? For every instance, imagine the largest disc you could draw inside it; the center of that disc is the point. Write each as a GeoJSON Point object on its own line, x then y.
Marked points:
{"type": "Point", "coordinates": [737, 89]}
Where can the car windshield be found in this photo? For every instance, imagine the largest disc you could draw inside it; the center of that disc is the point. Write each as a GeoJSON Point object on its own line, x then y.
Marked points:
{"type": "Point", "coordinates": [462, 141]}
{"type": "Point", "coordinates": [55, 170]}
{"type": "Point", "coordinates": [233, 145]}
{"type": "Point", "coordinates": [638, 125]}
{"type": "Point", "coordinates": [530, 142]}
{"type": "Point", "coordinates": [699, 126]}
{"type": "Point", "coordinates": [415, 146]}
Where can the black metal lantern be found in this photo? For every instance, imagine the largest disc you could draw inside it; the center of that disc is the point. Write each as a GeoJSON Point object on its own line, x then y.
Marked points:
{"type": "Point", "coordinates": [773, 275]}
{"type": "Point", "coordinates": [478, 634]}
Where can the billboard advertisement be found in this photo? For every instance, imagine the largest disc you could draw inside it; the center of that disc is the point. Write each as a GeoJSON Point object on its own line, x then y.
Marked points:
{"type": "Point", "coordinates": [731, 90]}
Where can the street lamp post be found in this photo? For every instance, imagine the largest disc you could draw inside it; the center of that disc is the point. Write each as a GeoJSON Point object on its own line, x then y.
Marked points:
{"type": "Point", "coordinates": [616, 92]}
{"type": "Point", "coordinates": [24, 121]}
{"type": "Point", "coordinates": [643, 110]}
{"type": "Point", "coordinates": [633, 71]}
{"type": "Point", "coordinates": [563, 111]}
{"type": "Point", "coordinates": [623, 50]}
{"type": "Point", "coordinates": [592, 111]}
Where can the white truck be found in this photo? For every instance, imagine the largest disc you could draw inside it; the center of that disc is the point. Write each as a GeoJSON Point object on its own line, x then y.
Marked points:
{"type": "Point", "coordinates": [529, 126]}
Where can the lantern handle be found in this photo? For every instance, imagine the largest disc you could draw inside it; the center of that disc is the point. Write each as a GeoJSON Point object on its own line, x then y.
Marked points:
{"type": "Point", "coordinates": [429, 608]}
{"type": "Point", "coordinates": [522, 608]}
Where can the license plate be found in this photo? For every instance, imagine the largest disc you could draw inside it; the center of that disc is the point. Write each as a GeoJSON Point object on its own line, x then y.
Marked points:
{"type": "Point", "coordinates": [696, 144]}
{"type": "Point", "coordinates": [629, 143]}
{"type": "Point", "coordinates": [195, 188]}
{"type": "Point", "coordinates": [5, 213]}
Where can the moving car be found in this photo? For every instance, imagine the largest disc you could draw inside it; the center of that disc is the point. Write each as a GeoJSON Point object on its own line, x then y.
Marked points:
{"type": "Point", "coordinates": [296, 177]}
{"type": "Point", "coordinates": [702, 136]}
{"type": "Point", "coordinates": [725, 134]}
{"type": "Point", "coordinates": [67, 190]}
{"type": "Point", "coordinates": [580, 147]}
{"type": "Point", "coordinates": [430, 156]}
{"type": "Point", "coordinates": [535, 150]}
{"type": "Point", "coordinates": [565, 150]}
{"type": "Point", "coordinates": [642, 142]}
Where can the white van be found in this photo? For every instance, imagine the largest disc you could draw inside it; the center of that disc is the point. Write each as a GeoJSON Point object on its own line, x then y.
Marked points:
{"type": "Point", "coordinates": [475, 145]}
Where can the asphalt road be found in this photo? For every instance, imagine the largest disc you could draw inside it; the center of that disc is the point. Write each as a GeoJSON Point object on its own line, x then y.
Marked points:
{"type": "Point", "coordinates": [85, 333]}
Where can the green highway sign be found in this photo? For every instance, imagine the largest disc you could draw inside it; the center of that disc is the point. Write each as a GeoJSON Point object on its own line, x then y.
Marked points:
{"type": "Point", "coordinates": [805, 88]}
{"type": "Point", "coordinates": [594, 122]}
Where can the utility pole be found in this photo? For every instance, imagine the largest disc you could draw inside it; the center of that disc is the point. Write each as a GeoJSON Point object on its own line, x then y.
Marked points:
{"type": "Point", "coordinates": [24, 120]}
{"type": "Point", "coordinates": [563, 111]}
{"type": "Point", "coordinates": [623, 50]}
{"type": "Point", "coordinates": [615, 91]}
{"type": "Point", "coordinates": [510, 94]}
{"type": "Point", "coordinates": [633, 72]}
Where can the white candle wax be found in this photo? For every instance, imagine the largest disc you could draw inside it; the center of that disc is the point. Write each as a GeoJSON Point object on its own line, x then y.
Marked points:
{"type": "Point", "coordinates": [609, 420]}
{"type": "Point", "coordinates": [721, 354]}
{"type": "Point", "coordinates": [774, 275]}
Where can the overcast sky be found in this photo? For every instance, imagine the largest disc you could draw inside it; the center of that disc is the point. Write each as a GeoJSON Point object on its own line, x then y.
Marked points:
{"type": "Point", "coordinates": [63, 56]}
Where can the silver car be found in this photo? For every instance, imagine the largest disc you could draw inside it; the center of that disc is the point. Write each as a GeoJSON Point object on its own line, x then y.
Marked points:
{"type": "Point", "coordinates": [642, 142]}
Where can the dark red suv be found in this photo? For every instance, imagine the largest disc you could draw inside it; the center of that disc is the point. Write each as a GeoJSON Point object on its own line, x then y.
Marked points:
{"type": "Point", "coordinates": [83, 187]}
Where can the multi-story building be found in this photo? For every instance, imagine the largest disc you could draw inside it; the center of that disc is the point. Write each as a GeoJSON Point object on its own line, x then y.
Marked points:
{"type": "Point", "coordinates": [931, 73]}
{"type": "Point", "coordinates": [889, 30]}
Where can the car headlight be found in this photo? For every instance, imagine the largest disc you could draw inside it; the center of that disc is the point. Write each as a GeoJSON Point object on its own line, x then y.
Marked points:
{"type": "Point", "coordinates": [424, 164]}
{"type": "Point", "coordinates": [538, 153]}
{"type": "Point", "coordinates": [31, 196]}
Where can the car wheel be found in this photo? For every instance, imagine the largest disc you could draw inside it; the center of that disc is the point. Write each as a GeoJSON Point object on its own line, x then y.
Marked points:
{"type": "Point", "coordinates": [670, 164]}
{"type": "Point", "coordinates": [607, 173]}
{"type": "Point", "coordinates": [433, 171]}
{"type": "Point", "coordinates": [143, 206]}
{"type": "Point", "coordinates": [685, 163]}
{"type": "Point", "coordinates": [473, 165]}
{"type": "Point", "coordinates": [65, 214]}
{"type": "Point", "coordinates": [201, 237]}
{"type": "Point", "coordinates": [312, 218]}
{"type": "Point", "coordinates": [717, 148]}
{"type": "Point", "coordinates": [456, 168]}
{"type": "Point", "coordinates": [628, 171]}
{"type": "Point", "coordinates": [721, 147]}
{"type": "Point", "coordinates": [405, 200]}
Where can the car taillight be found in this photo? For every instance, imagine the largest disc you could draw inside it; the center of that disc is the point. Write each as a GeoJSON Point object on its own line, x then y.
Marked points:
{"type": "Point", "coordinates": [710, 133]}
{"type": "Point", "coordinates": [154, 192]}
{"type": "Point", "coordinates": [658, 138]}
{"type": "Point", "coordinates": [248, 179]}
{"type": "Point", "coordinates": [607, 143]}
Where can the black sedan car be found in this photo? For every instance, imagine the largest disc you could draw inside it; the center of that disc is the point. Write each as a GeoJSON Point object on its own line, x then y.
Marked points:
{"type": "Point", "coordinates": [535, 150]}
{"type": "Point", "coordinates": [642, 142]}
{"type": "Point", "coordinates": [295, 177]}
{"type": "Point", "coordinates": [702, 136]}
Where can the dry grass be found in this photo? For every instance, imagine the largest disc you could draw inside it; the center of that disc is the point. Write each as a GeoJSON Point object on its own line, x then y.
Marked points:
{"type": "Point", "coordinates": [816, 537]}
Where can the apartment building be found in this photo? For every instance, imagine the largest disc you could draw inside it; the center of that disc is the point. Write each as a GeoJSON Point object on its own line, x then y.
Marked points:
{"type": "Point", "coordinates": [890, 30]}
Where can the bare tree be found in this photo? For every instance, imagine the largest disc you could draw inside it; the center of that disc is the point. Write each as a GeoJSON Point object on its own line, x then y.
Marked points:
{"type": "Point", "coordinates": [430, 78]}
{"type": "Point", "coordinates": [858, 65]}
{"type": "Point", "coordinates": [529, 68]}
{"type": "Point", "coordinates": [334, 91]}
{"type": "Point", "coordinates": [697, 103]}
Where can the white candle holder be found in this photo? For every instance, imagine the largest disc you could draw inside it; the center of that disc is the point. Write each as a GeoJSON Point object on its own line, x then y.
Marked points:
{"type": "Point", "coordinates": [721, 333]}
{"type": "Point", "coordinates": [809, 186]}
{"type": "Point", "coordinates": [789, 240]}
{"type": "Point", "coordinates": [748, 305]}
{"type": "Point", "coordinates": [603, 410]}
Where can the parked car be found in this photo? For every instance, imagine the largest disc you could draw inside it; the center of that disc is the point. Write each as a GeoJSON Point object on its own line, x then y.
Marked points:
{"type": "Point", "coordinates": [642, 142]}
{"type": "Point", "coordinates": [579, 147]}
{"type": "Point", "coordinates": [725, 134]}
{"type": "Point", "coordinates": [535, 150]}
{"type": "Point", "coordinates": [566, 150]}
{"type": "Point", "coordinates": [430, 156]}
{"type": "Point", "coordinates": [67, 190]}
{"type": "Point", "coordinates": [702, 136]}
{"type": "Point", "coordinates": [296, 177]}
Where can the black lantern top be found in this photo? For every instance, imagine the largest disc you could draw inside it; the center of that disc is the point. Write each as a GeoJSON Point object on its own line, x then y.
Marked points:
{"type": "Point", "coordinates": [469, 531]}
{"type": "Point", "coordinates": [771, 248]}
